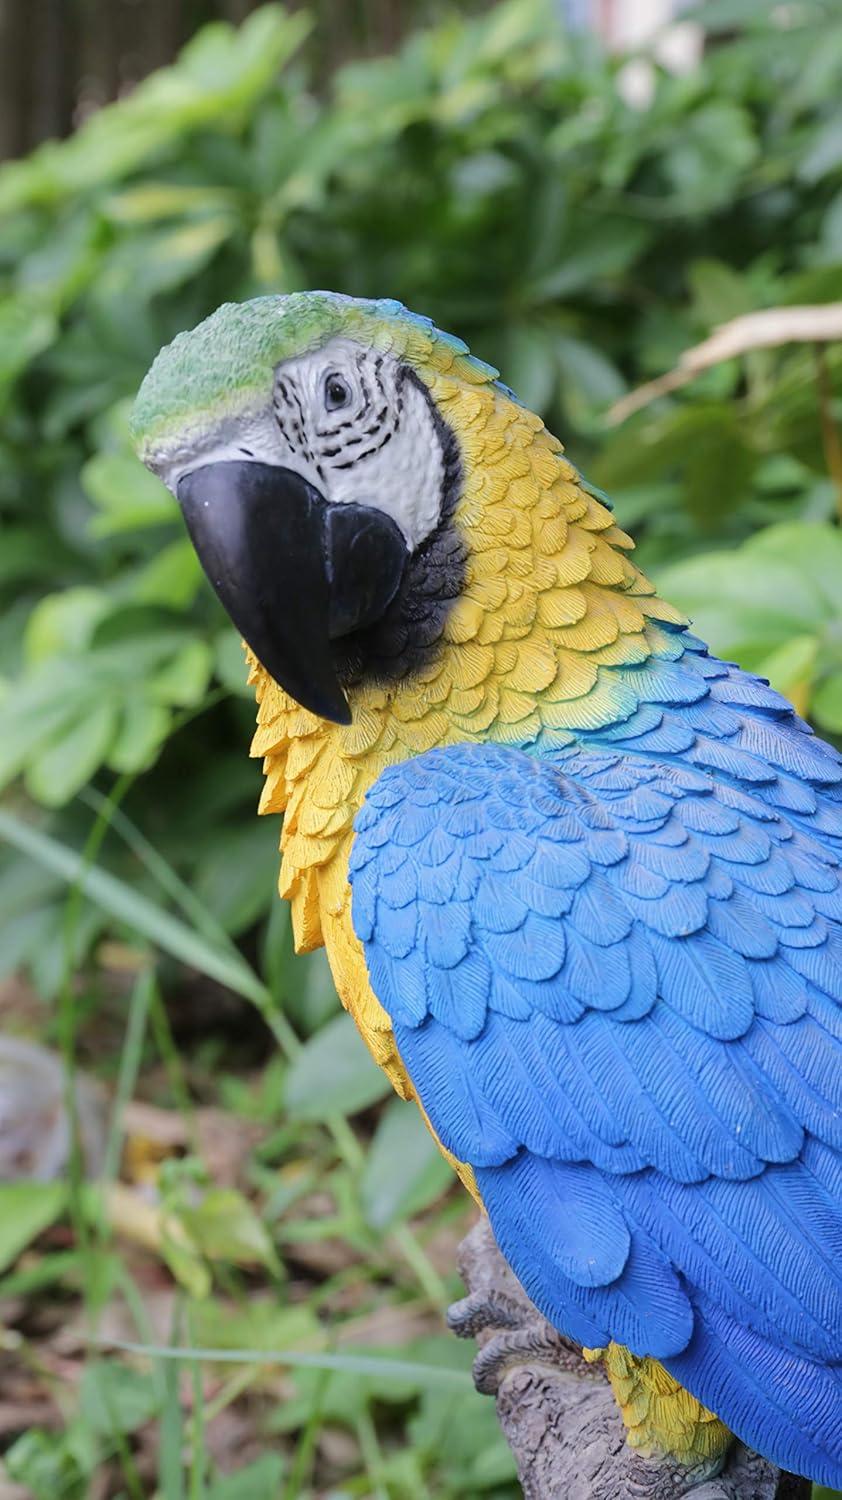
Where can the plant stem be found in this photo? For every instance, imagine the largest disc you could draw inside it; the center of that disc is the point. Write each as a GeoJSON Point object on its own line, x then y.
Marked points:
{"type": "Point", "coordinates": [831, 437]}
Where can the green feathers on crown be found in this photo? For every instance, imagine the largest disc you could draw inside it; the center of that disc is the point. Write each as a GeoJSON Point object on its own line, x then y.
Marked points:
{"type": "Point", "coordinates": [223, 367]}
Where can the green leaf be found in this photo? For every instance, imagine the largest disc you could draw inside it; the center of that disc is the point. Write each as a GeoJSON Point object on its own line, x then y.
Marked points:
{"type": "Point", "coordinates": [151, 201]}
{"type": "Point", "coordinates": [230, 664]}
{"type": "Point", "coordinates": [26, 1210]}
{"type": "Point", "coordinates": [303, 981]}
{"type": "Point", "coordinates": [237, 878]}
{"type": "Point", "coordinates": [735, 599]}
{"type": "Point", "coordinates": [405, 1171]}
{"type": "Point", "coordinates": [185, 1260]}
{"type": "Point", "coordinates": [790, 668]}
{"type": "Point", "coordinates": [27, 326]}
{"type": "Point", "coordinates": [258, 1324]}
{"type": "Point", "coordinates": [720, 292]}
{"type": "Point", "coordinates": [601, 250]}
{"type": "Point", "coordinates": [126, 494]}
{"type": "Point", "coordinates": [530, 363]}
{"type": "Point", "coordinates": [590, 380]}
{"type": "Point", "coordinates": [115, 1398]}
{"type": "Point", "coordinates": [58, 772]}
{"type": "Point", "coordinates": [813, 548]}
{"type": "Point", "coordinates": [171, 579]}
{"type": "Point", "coordinates": [52, 1464]}
{"type": "Point", "coordinates": [334, 1074]}
{"type": "Point", "coordinates": [826, 705]}
{"type": "Point", "coordinates": [63, 622]}
{"type": "Point", "coordinates": [184, 678]}
{"type": "Point", "coordinates": [141, 732]}
{"type": "Point", "coordinates": [825, 151]}
{"type": "Point", "coordinates": [255, 1481]}
{"type": "Point", "coordinates": [225, 1227]}
{"type": "Point", "coordinates": [218, 78]}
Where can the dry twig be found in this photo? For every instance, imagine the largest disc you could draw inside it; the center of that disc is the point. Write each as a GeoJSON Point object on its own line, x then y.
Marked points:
{"type": "Point", "coordinates": [768, 329]}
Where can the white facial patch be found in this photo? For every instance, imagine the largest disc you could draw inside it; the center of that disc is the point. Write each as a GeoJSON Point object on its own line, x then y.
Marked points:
{"type": "Point", "coordinates": [355, 424]}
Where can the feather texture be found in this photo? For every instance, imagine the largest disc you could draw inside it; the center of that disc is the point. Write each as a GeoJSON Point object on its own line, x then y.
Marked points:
{"type": "Point", "coordinates": [613, 966]}
{"type": "Point", "coordinates": [632, 1033]}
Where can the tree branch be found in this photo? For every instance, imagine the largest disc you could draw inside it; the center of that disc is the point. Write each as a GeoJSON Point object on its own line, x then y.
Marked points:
{"type": "Point", "coordinates": [767, 329]}
{"type": "Point", "coordinates": [558, 1413]}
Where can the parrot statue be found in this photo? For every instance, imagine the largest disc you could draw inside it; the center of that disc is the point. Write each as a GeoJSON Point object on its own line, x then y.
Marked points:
{"type": "Point", "coordinates": [578, 880]}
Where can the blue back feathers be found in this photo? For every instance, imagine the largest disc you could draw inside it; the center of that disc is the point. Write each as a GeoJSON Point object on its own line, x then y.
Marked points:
{"type": "Point", "coordinates": [614, 973]}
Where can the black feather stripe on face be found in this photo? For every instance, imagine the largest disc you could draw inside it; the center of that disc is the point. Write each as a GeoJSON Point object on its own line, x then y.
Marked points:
{"type": "Point", "coordinates": [407, 634]}
{"type": "Point", "coordinates": [410, 631]}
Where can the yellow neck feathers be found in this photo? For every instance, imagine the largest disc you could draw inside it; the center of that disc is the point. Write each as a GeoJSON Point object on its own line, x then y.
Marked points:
{"type": "Point", "coordinates": [550, 599]}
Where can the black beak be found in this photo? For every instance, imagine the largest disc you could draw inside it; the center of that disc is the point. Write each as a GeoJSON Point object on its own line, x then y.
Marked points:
{"type": "Point", "coordinates": [293, 572]}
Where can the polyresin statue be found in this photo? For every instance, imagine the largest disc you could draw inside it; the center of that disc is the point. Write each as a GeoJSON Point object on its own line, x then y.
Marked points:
{"type": "Point", "coordinates": [578, 880]}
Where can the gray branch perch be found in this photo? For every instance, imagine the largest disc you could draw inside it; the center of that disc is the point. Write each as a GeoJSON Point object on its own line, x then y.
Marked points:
{"type": "Point", "coordinates": [558, 1413]}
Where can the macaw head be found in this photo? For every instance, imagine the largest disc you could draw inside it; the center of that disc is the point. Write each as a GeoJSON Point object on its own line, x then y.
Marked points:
{"type": "Point", "coordinates": [310, 441]}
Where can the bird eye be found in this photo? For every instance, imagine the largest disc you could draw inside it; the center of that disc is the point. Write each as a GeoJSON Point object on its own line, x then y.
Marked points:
{"type": "Point", "coordinates": [337, 392]}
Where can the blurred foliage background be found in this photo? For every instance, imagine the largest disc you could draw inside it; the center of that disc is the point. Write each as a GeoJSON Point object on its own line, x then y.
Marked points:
{"type": "Point", "coordinates": [231, 1178]}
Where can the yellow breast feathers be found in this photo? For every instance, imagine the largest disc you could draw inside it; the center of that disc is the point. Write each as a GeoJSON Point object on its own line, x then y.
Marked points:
{"type": "Point", "coordinates": [550, 598]}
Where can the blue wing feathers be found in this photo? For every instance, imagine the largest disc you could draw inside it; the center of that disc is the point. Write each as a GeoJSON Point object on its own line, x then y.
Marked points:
{"type": "Point", "coordinates": [615, 977]}
{"type": "Point", "coordinates": [775, 1391]}
{"type": "Point", "coordinates": [533, 1220]}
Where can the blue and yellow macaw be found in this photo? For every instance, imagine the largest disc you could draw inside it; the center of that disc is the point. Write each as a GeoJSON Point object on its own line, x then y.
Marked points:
{"type": "Point", "coordinates": [578, 880]}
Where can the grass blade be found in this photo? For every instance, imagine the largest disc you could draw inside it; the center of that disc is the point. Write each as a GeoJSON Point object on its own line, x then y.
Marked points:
{"type": "Point", "coordinates": [422, 1375]}
{"type": "Point", "coordinates": [161, 871]}
{"type": "Point", "coordinates": [126, 905]}
{"type": "Point", "coordinates": [130, 1060]}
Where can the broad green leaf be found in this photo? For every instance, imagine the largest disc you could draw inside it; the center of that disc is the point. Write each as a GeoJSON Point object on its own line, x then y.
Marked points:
{"type": "Point", "coordinates": [115, 1398]}
{"type": "Point", "coordinates": [255, 1481]}
{"type": "Point", "coordinates": [736, 598]}
{"type": "Point", "coordinates": [811, 547]}
{"type": "Point", "coordinates": [790, 669]}
{"type": "Point", "coordinates": [230, 663]}
{"type": "Point", "coordinates": [184, 678]}
{"type": "Point", "coordinates": [27, 326]}
{"type": "Point", "coordinates": [258, 1324]}
{"type": "Point", "coordinates": [52, 1464]}
{"type": "Point", "coordinates": [184, 1259]}
{"type": "Point", "coordinates": [826, 705]}
{"type": "Point", "coordinates": [600, 251]}
{"type": "Point", "coordinates": [57, 772]}
{"type": "Point", "coordinates": [237, 878]}
{"type": "Point", "coordinates": [531, 368]}
{"type": "Point", "coordinates": [127, 495]}
{"type": "Point", "coordinates": [172, 578]}
{"type": "Point", "coordinates": [26, 1210]}
{"type": "Point", "coordinates": [717, 143]}
{"type": "Point", "coordinates": [32, 719]}
{"type": "Point", "coordinates": [720, 291]}
{"type": "Point", "coordinates": [166, 200]}
{"type": "Point", "coordinates": [334, 1074]}
{"type": "Point", "coordinates": [142, 729]}
{"type": "Point", "coordinates": [589, 378]}
{"type": "Point", "coordinates": [405, 1171]}
{"type": "Point", "coordinates": [225, 1227]}
{"type": "Point", "coordinates": [302, 982]}
{"type": "Point", "coordinates": [825, 152]}
{"type": "Point", "coordinates": [63, 622]}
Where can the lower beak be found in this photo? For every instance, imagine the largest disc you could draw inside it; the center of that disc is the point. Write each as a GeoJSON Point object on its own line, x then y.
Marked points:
{"type": "Point", "coordinates": [293, 572]}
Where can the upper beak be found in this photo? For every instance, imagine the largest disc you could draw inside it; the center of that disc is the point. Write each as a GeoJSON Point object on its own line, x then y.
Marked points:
{"type": "Point", "coordinates": [293, 571]}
